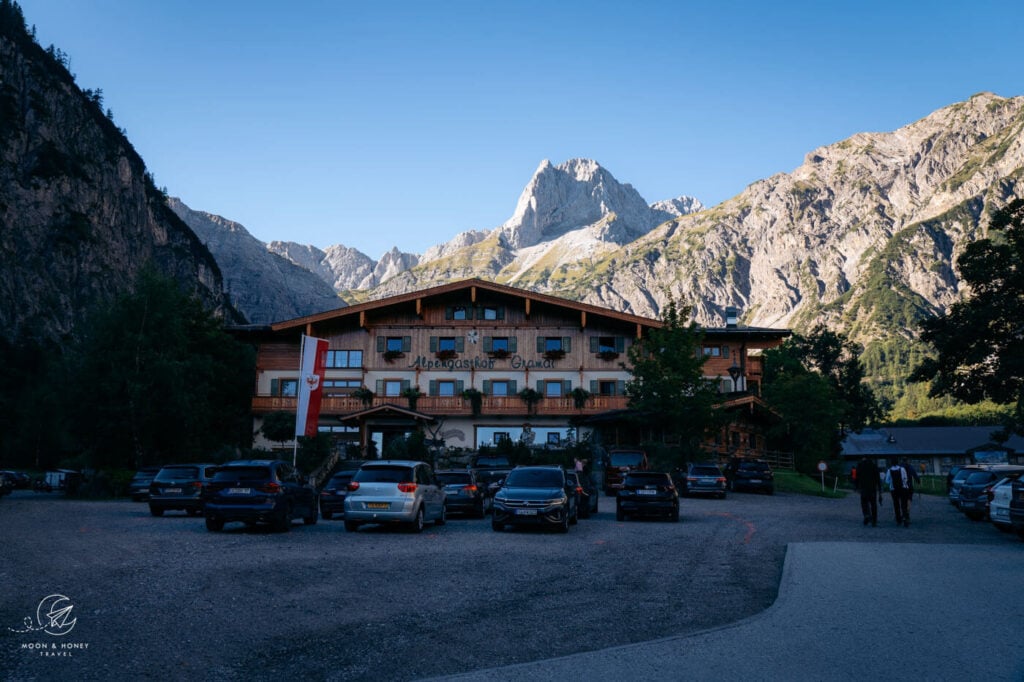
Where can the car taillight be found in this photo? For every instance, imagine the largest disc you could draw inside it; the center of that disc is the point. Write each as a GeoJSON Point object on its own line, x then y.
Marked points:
{"type": "Point", "coordinates": [353, 485]}
{"type": "Point", "coordinates": [197, 484]}
{"type": "Point", "coordinates": [271, 488]}
{"type": "Point", "coordinates": [691, 479]}
{"type": "Point", "coordinates": [720, 479]}
{"type": "Point", "coordinates": [469, 488]}
{"type": "Point", "coordinates": [579, 489]}
{"type": "Point", "coordinates": [406, 487]}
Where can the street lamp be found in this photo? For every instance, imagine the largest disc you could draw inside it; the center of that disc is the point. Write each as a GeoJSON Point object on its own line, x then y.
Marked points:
{"type": "Point", "coordinates": [735, 371]}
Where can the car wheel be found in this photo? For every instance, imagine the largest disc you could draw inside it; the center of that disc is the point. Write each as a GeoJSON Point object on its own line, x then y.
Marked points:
{"type": "Point", "coordinates": [327, 516]}
{"type": "Point", "coordinates": [619, 515]}
{"type": "Point", "coordinates": [214, 524]}
{"type": "Point", "coordinates": [563, 527]}
{"type": "Point", "coordinates": [674, 518]}
{"type": "Point", "coordinates": [496, 525]}
{"type": "Point", "coordinates": [314, 514]}
{"type": "Point", "coordinates": [351, 526]}
{"type": "Point", "coordinates": [441, 520]}
{"type": "Point", "coordinates": [156, 511]}
{"type": "Point", "coordinates": [417, 523]}
{"type": "Point", "coordinates": [481, 512]}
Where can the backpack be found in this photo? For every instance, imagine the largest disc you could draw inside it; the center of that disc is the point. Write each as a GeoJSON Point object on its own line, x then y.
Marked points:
{"type": "Point", "coordinates": [897, 478]}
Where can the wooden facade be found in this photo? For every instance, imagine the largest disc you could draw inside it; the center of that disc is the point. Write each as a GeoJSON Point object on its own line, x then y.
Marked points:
{"type": "Point", "coordinates": [422, 351]}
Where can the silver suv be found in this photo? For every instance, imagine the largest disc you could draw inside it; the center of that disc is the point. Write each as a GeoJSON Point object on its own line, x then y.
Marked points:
{"type": "Point", "coordinates": [394, 491]}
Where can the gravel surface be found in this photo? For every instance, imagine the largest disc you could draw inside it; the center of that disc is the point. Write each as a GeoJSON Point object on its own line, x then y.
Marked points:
{"type": "Point", "coordinates": [163, 598]}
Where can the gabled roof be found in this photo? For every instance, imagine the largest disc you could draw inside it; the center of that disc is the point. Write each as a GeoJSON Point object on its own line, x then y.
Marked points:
{"type": "Point", "coordinates": [913, 441]}
{"type": "Point", "coordinates": [388, 410]}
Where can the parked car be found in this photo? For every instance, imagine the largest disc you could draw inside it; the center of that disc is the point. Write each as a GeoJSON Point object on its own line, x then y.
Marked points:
{"type": "Point", "coordinates": [19, 479]}
{"type": "Point", "coordinates": [138, 487]}
{"type": "Point", "coordinates": [975, 489]}
{"type": "Point", "coordinates": [958, 480]}
{"type": "Point", "coordinates": [6, 483]}
{"type": "Point", "coordinates": [1017, 507]}
{"type": "Point", "coordinates": [704, 479]}
{"type": "Point", "coordinates": [180, 486]}
{"type": "Point", "coordinates": [586, 493]}
{"type": "Point", "coordinates": [750, 474]}
{"type": "Point", "coordinates": [490, 462]}
{"type": "Point", "coordinates": [535, 496]}
{"type": "Point", "coordinates": [647, 493]}
{"type": "Point", "coordinates": [999, 502]}
{"type": "Point", "coordinates": [490, 480]}
{"type": "Point", "coordinates": [619, 463]}
{"type": "Point", "coordinates": [463, 492]}
{"type": "Point", "coordinates": [395, 491]}
{"type": "Point", "coordinates": [332, 496]}
{"type": "Point", "coordinates": [257, 492]}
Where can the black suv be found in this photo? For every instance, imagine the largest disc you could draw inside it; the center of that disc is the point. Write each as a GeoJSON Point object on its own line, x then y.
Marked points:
{"type": "Point", "coordinates": [332, 497]}
{"type": "Point", "coordinates": [180, 486]}
{"type": "Point", "coordinates": [138, 488]}
{"type": "Point", "coordinates": [647, 493]}
{"type": "Point", "coordinates": [463, 491]}
{"type": "Point", "coordinates": [259, 491]}
{"type": "Point", "coordinates": [535, 496]}
{"type": "Point", "coordinates": [750, 474]}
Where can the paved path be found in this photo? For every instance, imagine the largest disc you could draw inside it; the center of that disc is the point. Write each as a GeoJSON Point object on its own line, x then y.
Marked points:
{"type": "Point", "coordinates": [926, 612]}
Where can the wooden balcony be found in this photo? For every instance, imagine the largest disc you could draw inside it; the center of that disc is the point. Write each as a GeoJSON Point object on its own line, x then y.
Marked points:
{"type": "Point", "coordinates": [448, 405]}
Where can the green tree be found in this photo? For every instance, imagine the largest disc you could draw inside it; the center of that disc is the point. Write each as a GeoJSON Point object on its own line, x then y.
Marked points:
{"type": "Point", "coordinates": [278, 426]}
{"type": "Point", "coordinates": [668, 392]}
{"type": "Point", "coordinates": [156, 379]}
{"type": "Point", "coordinates": [979, 347]}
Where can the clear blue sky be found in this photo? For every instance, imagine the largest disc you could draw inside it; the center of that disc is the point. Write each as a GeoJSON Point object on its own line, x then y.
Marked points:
{"type": "Point", "coordinates": [375, 124]}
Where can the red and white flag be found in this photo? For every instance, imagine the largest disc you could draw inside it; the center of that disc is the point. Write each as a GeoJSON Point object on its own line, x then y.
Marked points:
{"type": "Point", "coordinates": [311, 378]}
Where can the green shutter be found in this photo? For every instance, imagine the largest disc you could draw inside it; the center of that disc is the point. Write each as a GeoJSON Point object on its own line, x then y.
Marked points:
{"type": "Point", "coordinates": [433, 344]}
{"type": "Point", "coordinates": [501, 312]}
{"type": "Point", "coordinates": [487, 343]}
{"type": "Point", "coordinates": [380, 387]}
{"type": "Point", "coordinates": [594, 387]}
{"type": "Point", "coordinates": [620, 387]}
{"type": "Point", "coordinates": [460, 344]}
{"type": "Point", "coordinates": [405, 385]}
{"type": "Point", "coordinates": [432, 388]}
{"type": "Point", "coordinates": [449, 312]}
{"type": "Point", "coordinates": [725, 351]}
{"type": "Point", "coordinates": [540, 344]}
{"type": "Point", "coordinates": [487, 387]}
{"type": "Point", "coordinates": [460, 386]}
{"type": "Point", "coordinates": [512, 344]}
{"type": "Point", "coordinates": [595, 344]}
{"type": "Point", "coordinates": [567, 387]}
{"type": "Point", "coordinates": [567, 344]}
{"type": "Point", "coordinates": [380, 344]}
{"type": "Point", "coordinates": [275, 387]}
{"type": "Point", "coordinates": [406, 344]}
{"type": "Point", "coordinates": [620, 344]}
{"type": "Point", "coordinates": [540, 386]}
{"type": "Point", "coordinates": [513, 386]}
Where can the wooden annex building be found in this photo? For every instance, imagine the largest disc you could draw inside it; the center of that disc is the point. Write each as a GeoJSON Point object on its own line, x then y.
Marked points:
{"type": "Point", "coordinates": [454, 359]}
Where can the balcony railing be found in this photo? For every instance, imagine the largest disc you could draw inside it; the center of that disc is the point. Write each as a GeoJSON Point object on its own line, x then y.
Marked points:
{"type": "Point", "coordinates": [448, 405]}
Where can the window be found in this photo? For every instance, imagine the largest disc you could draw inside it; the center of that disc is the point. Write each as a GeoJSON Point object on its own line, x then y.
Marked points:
{"type": "Point", "coordinates": [607, 344]}
{"type": "Point", "coordinates": [341, 386]}
{"type": "Point", "coordinates": [459, 313]}
{"type": "Point", "coordinates": [553, 389]}
{"type": "Point", "coordinates": [554, 438]}
{"type": "Point", "coordinates": [716, 351]}
{"type": "Point", "coordinates": [500, 436]}
{"type": "Point", "coordinates": [394, 344]}
{"type": "Point", "coordinates": [490, 312]}
{"type": "Point", "coordinates": [286, 388]}
{"type": "Point", "coordinates": [554, 344]}
{"type": "Point", "coordinates": [446, 388]}
{"type": "Point", "coordinates": [392, 387]}
{"type": "Point", "coordinates": [608, 387]}
{"type": "Point", "coordinates": [447, 344]}
{"type": "Point", "coordinates": [500, 344]}
{"type": "Point", "coordinates": [344, 358]}
{"type": "Point", "coordinates": [500, 387]}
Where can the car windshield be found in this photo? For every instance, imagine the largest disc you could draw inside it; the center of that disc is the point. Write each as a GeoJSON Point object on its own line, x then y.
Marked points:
{"type": "Point", "coordinates": [753, 466]}
{"type": "Point", "coordinates": [979, 477]}
{"type": "Point", "coordinates": [626, 459]}
{"type": "Point", "coordinates": [339, 480]}
{"type": "Point", "coordinates": [242, 473]}
{"type": "Point", "coordinates": [962, 475]}
{"type": "Point", "coordinates": [646, 479]}
{"type": "Point", "coordinates": [454, 479]}
{"type": "Point", "coordinates": [492, 461]}
{"type": "Point", "coordinates": [705, 471]}
{"type": "Point", "coordinates": [535, 478]}
{"type": "Point", "coordinates": [385, 474]}
{"type": "Point", "coordinates": [177, 473]}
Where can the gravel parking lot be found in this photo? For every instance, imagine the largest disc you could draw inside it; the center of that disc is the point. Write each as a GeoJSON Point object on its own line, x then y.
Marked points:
{"type": "Point", "coordinates": [164, 598]}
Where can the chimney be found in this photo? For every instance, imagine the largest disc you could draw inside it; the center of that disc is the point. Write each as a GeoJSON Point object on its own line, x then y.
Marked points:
{"type": "Point", "coordinates": [732, 317]}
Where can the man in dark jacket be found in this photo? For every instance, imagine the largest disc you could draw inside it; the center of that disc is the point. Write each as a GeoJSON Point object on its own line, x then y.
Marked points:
{"type": "Point", "coordinates": [898, 480]}
{"type": "Point", "coordinates": [869, 482]}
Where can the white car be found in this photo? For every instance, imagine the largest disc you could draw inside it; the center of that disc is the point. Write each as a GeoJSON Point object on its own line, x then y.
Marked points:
{"type": "Point", "coordinates": [395, 491]}
{"type": "Point", "coordinates": [999, 506]}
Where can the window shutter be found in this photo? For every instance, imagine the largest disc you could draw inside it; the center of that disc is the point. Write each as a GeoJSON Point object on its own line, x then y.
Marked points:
{"type": "Point", "coordinates": [460, 386]}
{"type": "Point", "coordinates": [433, 344]}
{"type": "Point", "coordinates": [460, 344]}
{"type": "Point", "coordinates": [380, 344]}
{"type": "Point", "coordinates": [540, 386]}
{"type": "Point", "coordinates": [512, 344]}
{"type": "Point", "coordinates": [406, 344]}
{"type": "Point", "coordinates": [594, 387]}
{"type": "Point", "coordinates": [449, 312]}
{"type": "Point", "coordinates": [380, 387]}
{"type": "Point", "coordinates": [567, 387]}
{"type": "Point", "coordinates": [487, 344]}
{"type": "Point", "coordinates": [513, 386]}
{"type": "Point", "coordinates": [540, 344]}
{"type": "Point", "coordinates": [275, 387]}
{"type": "Point", "coordinates": [725, 351]}
{"type": "Point", "coordinates": [487, 387]}
{"type": "Point", "coordinates": [432, 388]}
{"type": "Point", "coordinates": [620, 388]}
{"type": "Point", "coordinates": [405, 384]}
{"type": "Point", "coordinates": [595, 344]}
{"type": "Point", "coordinates": [567, 344]}
{"type": "Point", "coordinates": [620, 344]}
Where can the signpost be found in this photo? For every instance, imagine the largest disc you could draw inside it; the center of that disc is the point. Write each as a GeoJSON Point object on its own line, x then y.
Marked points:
{"type": "Point", "coordinates": [822, 467]}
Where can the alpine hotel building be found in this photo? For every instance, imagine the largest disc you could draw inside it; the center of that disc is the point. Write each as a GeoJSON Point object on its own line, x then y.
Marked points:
{"type": "Point", "coordinates": [498, 341]}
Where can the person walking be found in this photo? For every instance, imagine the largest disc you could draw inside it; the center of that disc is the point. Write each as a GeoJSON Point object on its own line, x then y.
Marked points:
{"type": "Point", "coordinates": [912, 479]}
{"type": "Point", "coordinates": [869, 482]}
{"type": "Point", "coordinates": [897, 478]}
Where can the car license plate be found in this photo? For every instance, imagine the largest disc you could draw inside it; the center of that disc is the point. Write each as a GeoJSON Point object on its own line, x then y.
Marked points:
{"type": "Point", "coordinates": [168, 491]}
{"type": "Point", "coordinates": [238, 491]}
{"type": "Point", "coordinates": [526, 512]}
{"type": "Point", "coordinates": [377, 505]}
{"type": "Point", "coordinates": [755, 480]}
{"type": "Point", "coordinates": [646, 492]}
